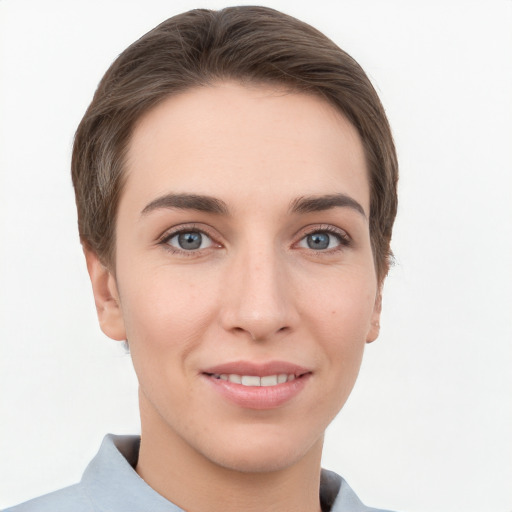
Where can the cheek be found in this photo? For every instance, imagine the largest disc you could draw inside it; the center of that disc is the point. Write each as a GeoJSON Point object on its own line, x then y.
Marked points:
{"type": "Point", "coordinates": [339, 319]}
{"type": "Point", "coordinates": [165, 317]}
{"type": "Point", "coordinates": [341, 308]}
{"type": "Point", "coordinates": [165, 311]}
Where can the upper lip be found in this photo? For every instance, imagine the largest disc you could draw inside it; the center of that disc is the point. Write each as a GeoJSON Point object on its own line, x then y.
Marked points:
{"type": "Point", "coordinates": [257, 369]}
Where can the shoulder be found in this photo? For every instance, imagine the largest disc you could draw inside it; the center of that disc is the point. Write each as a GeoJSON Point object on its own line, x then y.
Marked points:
{"type": "Point", "coordinates": [71, 498]}
{"type": "Point", "coordinates": [109, 471]}
{"type": "Point", "coordinates": [337, 496]}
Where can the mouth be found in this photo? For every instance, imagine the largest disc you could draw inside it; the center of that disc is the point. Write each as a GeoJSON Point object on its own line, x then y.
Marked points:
{"type": "Point", "coordinates": [258, 386]}
{"type": "Point", "coordinates": [255, 380]}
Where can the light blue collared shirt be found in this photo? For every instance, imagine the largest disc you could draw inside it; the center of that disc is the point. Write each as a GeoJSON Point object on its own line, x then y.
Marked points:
{"type": "Point", "coordinates": [111, 484]}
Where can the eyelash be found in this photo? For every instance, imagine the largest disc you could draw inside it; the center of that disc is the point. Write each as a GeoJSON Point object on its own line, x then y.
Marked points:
{"type": "Point", "coordinates": [191, 228]}
{"type": "Point", "coordinates": [341, 235]}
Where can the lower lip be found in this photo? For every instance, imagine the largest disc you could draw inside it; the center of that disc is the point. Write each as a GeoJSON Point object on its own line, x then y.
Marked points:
{"type": "Point", "coordinates": [259, 397]}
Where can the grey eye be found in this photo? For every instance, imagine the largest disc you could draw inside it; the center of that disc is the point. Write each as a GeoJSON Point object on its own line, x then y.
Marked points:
{"type": "Point", "coordinates": [190, 241]}
{"type": "Point", "coordinates": [320, 241]}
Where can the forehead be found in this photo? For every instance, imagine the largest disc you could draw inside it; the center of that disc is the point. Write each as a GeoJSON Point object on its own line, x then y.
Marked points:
{"type": "Point", "coordinates": [244, 141]}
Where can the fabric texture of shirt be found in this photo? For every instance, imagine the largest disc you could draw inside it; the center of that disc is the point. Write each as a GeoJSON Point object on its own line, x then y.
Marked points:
{"type": "Point", "coordinates": [111, 484]}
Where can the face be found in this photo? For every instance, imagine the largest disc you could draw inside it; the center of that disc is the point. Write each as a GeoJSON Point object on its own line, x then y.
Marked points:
{"type": "Point", "coordinates": [244, 277]}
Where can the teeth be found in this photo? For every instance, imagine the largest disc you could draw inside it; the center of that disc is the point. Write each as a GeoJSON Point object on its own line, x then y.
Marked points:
{"type": "Point", "coordinates": [253, 380]}
{"type": "Point", "coordinates": [269, 380]}
{"type": "Point", "coordinates": [250, 380]}
{"type": "Point", "coordinates": [235, 378]}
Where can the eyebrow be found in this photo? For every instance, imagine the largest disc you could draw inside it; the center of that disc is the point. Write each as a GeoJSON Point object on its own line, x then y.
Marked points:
{"type": "Point", "coordinates": [187, 202]}
{"type": "Point", "coordinates": [309, 204]}
{"type": "Point", "coordinates": [202, 203]}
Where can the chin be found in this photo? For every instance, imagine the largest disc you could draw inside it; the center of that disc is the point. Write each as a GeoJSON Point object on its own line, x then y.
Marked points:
{"type": "Point", "coordinates": [258, 463]}
{"type": "Point", "coordinates": [262, 455]}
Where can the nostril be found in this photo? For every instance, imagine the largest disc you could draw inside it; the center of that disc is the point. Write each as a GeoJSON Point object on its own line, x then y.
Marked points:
{"type": "Point", "coordinates": [259, 333]}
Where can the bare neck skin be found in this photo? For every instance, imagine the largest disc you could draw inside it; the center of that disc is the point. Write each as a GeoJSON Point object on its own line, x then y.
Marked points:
{"type": "Point", "coordinates": [195, 484]}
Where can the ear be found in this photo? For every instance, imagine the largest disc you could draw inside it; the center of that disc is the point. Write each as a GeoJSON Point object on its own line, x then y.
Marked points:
{"type": "Point", "coordinates": [106, 297]}
{"type": "Point", "coordinates": [374, 330]}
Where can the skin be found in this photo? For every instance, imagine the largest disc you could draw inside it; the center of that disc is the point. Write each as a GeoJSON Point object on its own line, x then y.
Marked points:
{"type": "Point", "coordinates": [254, 291]}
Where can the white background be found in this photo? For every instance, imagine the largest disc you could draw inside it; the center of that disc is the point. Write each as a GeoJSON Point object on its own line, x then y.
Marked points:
{"type": "Point", "coordinates": [429, 425]}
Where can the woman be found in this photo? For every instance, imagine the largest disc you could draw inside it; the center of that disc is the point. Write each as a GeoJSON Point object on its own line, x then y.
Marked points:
{"type": "Point", "coordinates": [235, 180]}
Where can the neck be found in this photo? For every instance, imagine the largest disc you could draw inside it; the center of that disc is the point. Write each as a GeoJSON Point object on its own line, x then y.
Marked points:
{"type": "Point", "coordinates": [196, 484]}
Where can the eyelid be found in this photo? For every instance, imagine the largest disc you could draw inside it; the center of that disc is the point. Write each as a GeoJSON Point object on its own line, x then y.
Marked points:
{"type": "Point", "coordinates": [344, 237]}
{"type": "Point", "coordinates": [328, 228]}
{"type": "Point", "coordinates": [183, 228]}
{"type": "Point", "coordinates": [170, 233]}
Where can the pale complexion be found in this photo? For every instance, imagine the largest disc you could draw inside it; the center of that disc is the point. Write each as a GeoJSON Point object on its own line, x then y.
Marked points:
{"type": "Point", "coordinates": [273, 267]}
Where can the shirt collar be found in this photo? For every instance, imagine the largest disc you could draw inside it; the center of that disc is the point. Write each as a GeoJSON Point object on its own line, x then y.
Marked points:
{"type": "Point", "coordinates": [112, 483]}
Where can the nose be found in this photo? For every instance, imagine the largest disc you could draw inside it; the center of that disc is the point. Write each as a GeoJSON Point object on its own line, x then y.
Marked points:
{"type": "Point", "coordinates": [258, 301]}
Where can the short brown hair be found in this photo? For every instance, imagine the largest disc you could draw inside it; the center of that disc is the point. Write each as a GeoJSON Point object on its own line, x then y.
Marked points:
{"type": "Point", "coordinates": [201, 47]}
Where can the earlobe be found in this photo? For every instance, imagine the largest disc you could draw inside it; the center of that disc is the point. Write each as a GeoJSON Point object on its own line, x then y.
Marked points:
{"type": "Point", "coordinates": [373, 332]}
{"type": "Point", "coordinates": [106, 297]}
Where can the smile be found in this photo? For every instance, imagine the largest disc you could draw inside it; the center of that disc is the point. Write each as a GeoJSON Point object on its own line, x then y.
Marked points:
{"type": "Point", "coordinates": [254, 380]}
{"type": "Point", "coordinates": [261, 386]}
